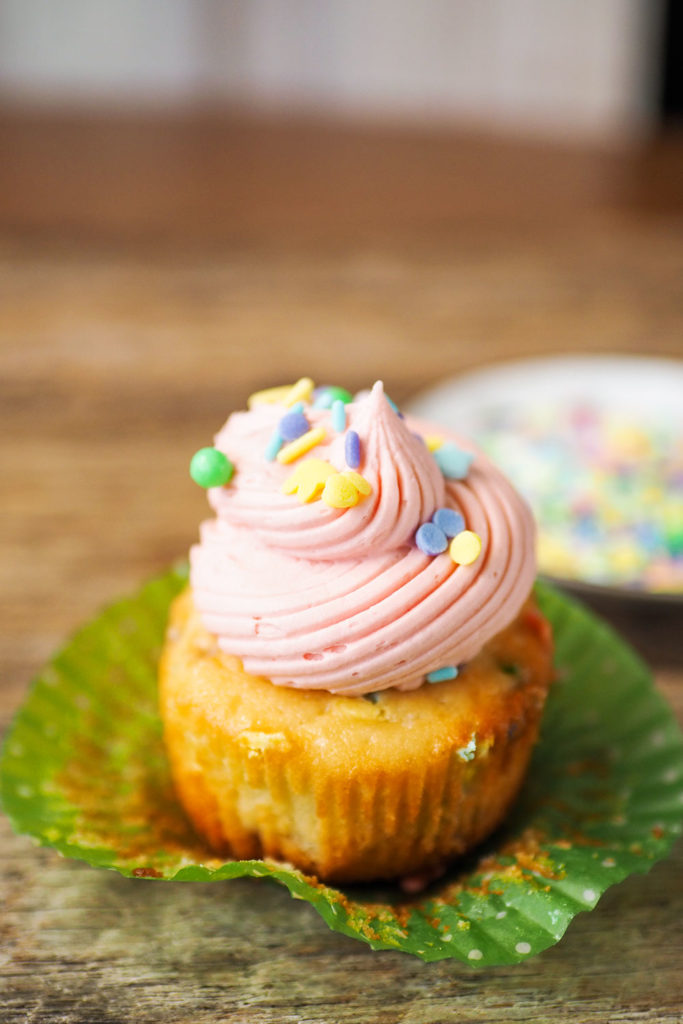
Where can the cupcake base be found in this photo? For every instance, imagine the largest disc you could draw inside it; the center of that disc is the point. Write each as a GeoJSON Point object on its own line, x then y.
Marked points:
{"type": "Point", "coordinates": [349, 788]}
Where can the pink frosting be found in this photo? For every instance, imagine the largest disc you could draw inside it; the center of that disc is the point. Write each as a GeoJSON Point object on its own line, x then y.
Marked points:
{"type": "Point", "coordinates": [342, 599]}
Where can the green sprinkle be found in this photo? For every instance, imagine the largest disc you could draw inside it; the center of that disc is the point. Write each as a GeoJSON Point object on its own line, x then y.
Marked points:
{"type": "Point", "coordinates": [468, 752]}
{"type": "Point", "coordinates": [211, 468]}
{"type": "Point", "coordinates": [329, 394]}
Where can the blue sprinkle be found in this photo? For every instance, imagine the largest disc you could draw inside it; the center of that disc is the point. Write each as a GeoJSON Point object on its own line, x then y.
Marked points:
{"type": "Point", "coordinates": [453, 462]}
{"type": "Point", "coordinates": [448, 520]}
{"type": "Point", "coordinates": [322, 398]}
{"type": "Point", "coordinates": [418, 436]}
{"type": "Point", "coordinates": [273, 446]}
{"type": "Point", "coordinates": [338, 415]}
{"type": "Point", "coordinates": [440, 675]}
{"type": "Point", "coordinates": [292, 425]}
{"type": "Point", "coordinates": [391, 403]}
{"type": "Point", "coordinates": [430, 539]}
{"type": "Point", "coordinates": [352, 449]}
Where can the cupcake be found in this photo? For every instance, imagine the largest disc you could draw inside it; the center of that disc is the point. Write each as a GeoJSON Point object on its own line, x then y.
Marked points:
{"type": "Point", "coordinates": [353, 680]}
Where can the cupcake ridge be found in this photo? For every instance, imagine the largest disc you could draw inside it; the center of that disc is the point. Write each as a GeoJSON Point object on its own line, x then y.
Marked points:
{"type": "Point", "coordinates": [341, 598]}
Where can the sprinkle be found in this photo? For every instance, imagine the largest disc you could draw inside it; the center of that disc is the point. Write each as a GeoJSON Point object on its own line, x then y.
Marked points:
{"type": "Point", "coordinates": [440, 675]}
{"type": "Point", "coordinates": [273, 447]}
{"type": "Point", "coordinates": [338, 415]}
{"type": "Point", "coordinates": [324, 397]}
{"type": "Point", "coordinates": [358, 481]}
{"type": "Point", "coordinates": [430, 539]}
{"type": "Point", "coordinates": [391, 403]}
{"type": "Point", "coordinates": [292, 425]}
{"type": "Point", "coordinates": [308, 479]}
{"type": "Point", "coordinates": [523, 947]}
{"type": "Point", "coordinates": [453, 462]}
{"type": "Point", "coordinates": [475, 954]}
{"type": "Point", "coordinates": [448, 520]}
{"type": "Point", "coordinates": [352, 449]}
{"type": "Point", "coordinates": [269, 396]}
{"type": "Point", "coordinates": [465, 548]}
{"type": "Point", "coordinates": [303, 444]}
{"type": "Point", "coordinates": [301, 390]}
{"type": "Point", "coordinates": [433, 442]}
{"type": "Point", "coordinates": [211, 468]}
{"type": "Point", "coordinates": [339, 492]}
{"type": "Point", "coordinates": [606, 487]}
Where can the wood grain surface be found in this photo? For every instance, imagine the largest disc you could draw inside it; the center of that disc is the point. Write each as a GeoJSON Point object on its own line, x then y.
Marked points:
{"type": "Point", "coordinates": [152, 274]}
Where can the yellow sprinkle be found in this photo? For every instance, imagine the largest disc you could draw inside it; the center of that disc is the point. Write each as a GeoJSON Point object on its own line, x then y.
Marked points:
{"type": "Point", "coordinates": [270, 396]}
{"type": "Point", "coordinates": [303, 444]}
{"type": "Point", "coordinates": [300, 392]}
{"type": "Point", "coordinates": [308, 479]}
{"type": "Point", "coordinates": [340, 492]}
{"type": "Point", "coordinates": [358, 481]}
{"type": "Point", "coordinates": [553, 557]}
{"type": "Point", "coordinates": [465, 547]}
{"type": "Point", "coordinates": [433, 442]}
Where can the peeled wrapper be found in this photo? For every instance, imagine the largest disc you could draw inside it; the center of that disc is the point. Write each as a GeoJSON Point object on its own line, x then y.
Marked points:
{"type": "Point", "coordinates": [84, 770]}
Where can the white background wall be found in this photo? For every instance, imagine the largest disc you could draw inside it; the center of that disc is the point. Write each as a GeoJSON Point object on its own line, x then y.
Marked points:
{"type": "Point", "coordinates": [581, 66]}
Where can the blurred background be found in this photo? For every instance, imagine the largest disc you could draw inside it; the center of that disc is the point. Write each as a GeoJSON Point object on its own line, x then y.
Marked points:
{"type": "Point", "coordinates": [201, 197]}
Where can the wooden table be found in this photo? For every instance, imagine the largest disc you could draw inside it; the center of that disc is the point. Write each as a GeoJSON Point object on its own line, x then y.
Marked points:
{"type": "Point", "coordinates": [154, 272]}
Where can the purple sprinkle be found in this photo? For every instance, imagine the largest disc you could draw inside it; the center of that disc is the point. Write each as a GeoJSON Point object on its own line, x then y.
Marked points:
{"type": "Point", "coordinates": [448, 520]}
{"type": "Point", "coordinates": [430, 539]}
{"type": "Point", "coordinates": [352, 449]}
{"type": "Point", "coordinates": [293, 425]}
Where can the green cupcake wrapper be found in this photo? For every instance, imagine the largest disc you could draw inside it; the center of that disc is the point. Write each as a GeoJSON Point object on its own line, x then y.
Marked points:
{"type": "Point", "coordinates": [83, 770]}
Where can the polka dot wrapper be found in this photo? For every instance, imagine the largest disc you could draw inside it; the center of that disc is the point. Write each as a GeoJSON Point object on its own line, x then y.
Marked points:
{"type": "Point", "coordinates": [83, 770]}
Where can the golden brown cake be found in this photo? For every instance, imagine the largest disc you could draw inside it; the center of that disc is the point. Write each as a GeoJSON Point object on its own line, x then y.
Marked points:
{"type": "Point", "coordinates": [348, 788]}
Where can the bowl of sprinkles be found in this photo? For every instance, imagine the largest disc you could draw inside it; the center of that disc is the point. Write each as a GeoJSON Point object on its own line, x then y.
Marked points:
{"type": "Point", "coordinates": [596, 446]}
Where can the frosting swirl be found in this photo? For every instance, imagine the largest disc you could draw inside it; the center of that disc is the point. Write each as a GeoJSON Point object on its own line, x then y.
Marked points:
{"type": "Point", "coordinates": [342, 599]}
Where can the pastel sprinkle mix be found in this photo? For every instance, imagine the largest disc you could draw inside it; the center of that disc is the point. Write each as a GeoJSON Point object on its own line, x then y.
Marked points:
{"type": "Point", "coordinates": [302, 390]}
{"type": "Point", "coordinates": [453, 462]}
{"type": "Point", "coordinates": [606, 486]}
{"type": "Point", "coordinates": [273, 447]}
{"type": "Point", "coordinates": [324, 397]}
{"type": "Point", "coordinates": [292, 425]}
{"type": "Point", "coordinates": [340, 492]}
{"type": "Point", "coordinates": [303, 444]}
{"type": "Point", "coordinates": [430, 539]}
{"type": "Point", "coordinates": [352, 449]}
{"type": "Point", "coordinates": [440, 675]}
{"type": "Point", "coordinates": [269, 396]}
{"type": "Point", "coordinates": [358, 481]}
{"type": "Point", "coordinates": [433, 442]}
{"type": "Point", "coordinates": [448, 520]}
{"type": "Point", "coordinates": [308, 479]}
{"type": "Point", "coordinates": [211, 468]}
{"type": "Point", "coordinates": [338, 415]}
{"type": "Point", "coordinates": [465, 548]}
